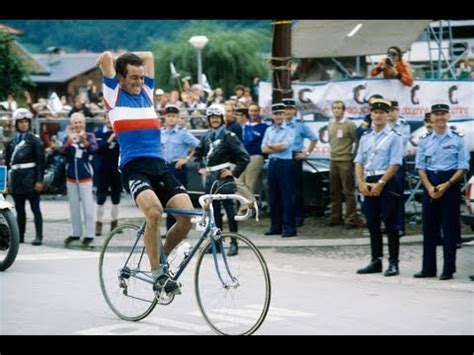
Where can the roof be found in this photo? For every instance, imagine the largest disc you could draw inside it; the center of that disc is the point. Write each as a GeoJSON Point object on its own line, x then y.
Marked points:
{"type": "Point", "coordinates": [33, 66]}
{"type": "Point", "coordinates": [10, 30]}
{"type": "Point", "coordinates": [330, 38]}
{"type": "Point", "coordinates": [64, 66]}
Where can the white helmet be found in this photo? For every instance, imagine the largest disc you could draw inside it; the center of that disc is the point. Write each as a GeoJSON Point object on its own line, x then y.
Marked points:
{"type": "Point", "coordinates": [21, 114]}
{"type": "Point", "coordinates": [215, 110]}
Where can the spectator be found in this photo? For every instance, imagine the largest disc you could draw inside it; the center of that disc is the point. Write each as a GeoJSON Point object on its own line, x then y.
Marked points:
{"type": "Point", "coordinates": [342, 139]}
{"type": "Point", "coordinates": [78, 149]}
{"type": "Point", "coordinates": [254, 114]}
{"type": "Point", "coordinates": [10, 104]}
{"type": "Point", "coordinates": [252, 139]}
{"type": "Point", "coordinates": [463, 72]}
{"type": "Point", "coordinates": [107, 176]}
{"type": "Point", "coordinates": [80, 106]}
{"type": "Point", "coordinates": [394, 67]}
{"type": "Point", "coordinates": [231, 123]}
{"type": "Point", "coordinates": [255, 89]}
{"type": "Point", "coordinates": [157, 98]}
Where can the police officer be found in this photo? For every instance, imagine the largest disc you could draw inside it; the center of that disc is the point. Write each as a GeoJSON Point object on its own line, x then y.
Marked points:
{"type": "Point", "coordinates": [25, 159]}
{"type": "Point", "coordinates": [277, 143]}
{"type": "Point", "coordinates": [441, 161]}
{"type": "Point", "coordinates": [107, 176]}
{"type": "Point", "coordinates": [216, 150]}
{"type": "Point", "coordinates": [401, 126]}
{"type": "Point", "coordinates": [177, 147]}
{"type": "Point", "coordinates": [299, 154]}
{"type": "Point", "coordinates": [367, 121]}
{"type": "Point", "coordinates": [379, 156]}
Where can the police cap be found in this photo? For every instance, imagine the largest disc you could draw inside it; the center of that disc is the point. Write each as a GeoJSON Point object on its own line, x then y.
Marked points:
{"type": "Point", "coordinates": [289, 103]}
{"type": "Point", "coordinates": [380, 104]}
{"type": "Point", "coordinates": [440, 107]}
{"type": "Point", "coordinates": [278, 107]}
{"type": "Point", "coordinates": [171, 109]}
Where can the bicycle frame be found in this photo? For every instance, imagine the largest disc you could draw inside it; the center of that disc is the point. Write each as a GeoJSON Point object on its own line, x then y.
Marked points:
{"type": "Point", "coordinates": [207, 215]}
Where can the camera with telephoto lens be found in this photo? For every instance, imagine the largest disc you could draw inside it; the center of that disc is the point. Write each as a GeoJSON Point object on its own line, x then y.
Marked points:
{"type": "Point", "coordinates": [389, 59]}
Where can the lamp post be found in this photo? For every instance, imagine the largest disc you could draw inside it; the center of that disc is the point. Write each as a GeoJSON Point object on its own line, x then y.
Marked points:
{"type": "Point", "coordinates": [199, 42]}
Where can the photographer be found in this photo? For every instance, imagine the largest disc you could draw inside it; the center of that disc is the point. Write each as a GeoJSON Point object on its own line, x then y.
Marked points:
{"type": "Point", "coordinates": [394, 67]}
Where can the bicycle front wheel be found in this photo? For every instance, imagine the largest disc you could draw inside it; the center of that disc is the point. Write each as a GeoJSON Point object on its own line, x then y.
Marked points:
{"type": "Point", "coordinates": [120, 262]}
{"type": "Point", "coordinates": [233, 293]}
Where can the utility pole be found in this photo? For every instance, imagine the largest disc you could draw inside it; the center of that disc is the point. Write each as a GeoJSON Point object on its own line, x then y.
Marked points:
{"type": "Point", "coordinates": [281, 60]}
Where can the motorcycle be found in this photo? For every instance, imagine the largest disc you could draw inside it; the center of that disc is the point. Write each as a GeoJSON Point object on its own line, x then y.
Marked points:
{"type": "Point", "coordinates": [9, 232]}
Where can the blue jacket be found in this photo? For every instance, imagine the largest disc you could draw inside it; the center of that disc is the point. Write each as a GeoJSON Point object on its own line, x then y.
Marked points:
{"type": "Point", "coordinates": [78, 158]}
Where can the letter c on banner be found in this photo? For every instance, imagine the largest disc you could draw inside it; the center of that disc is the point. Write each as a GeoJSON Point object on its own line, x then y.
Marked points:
{"type": "Point", "coordinates": [301, 96]}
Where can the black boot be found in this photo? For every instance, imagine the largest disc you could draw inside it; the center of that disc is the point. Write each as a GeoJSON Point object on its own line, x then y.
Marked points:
{"type": "Point", "coordinates": [38, 240]}
{"type": "Point", "coordinates": [373, 267]}
{"type": "Point", "coordinates": [392, 269]}
{"type": "Point", "coordinates": [98, 228]}
{"type": "Point", "coordinates": [234, 248]}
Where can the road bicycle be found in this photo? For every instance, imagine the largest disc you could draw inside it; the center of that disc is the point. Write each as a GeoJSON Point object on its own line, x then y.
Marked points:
{"type": "Point", "coordinates": [233, 293]}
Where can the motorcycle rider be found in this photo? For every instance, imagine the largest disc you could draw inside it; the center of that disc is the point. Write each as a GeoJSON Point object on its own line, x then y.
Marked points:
{"type": "Point", "coordinates": [25, 161]}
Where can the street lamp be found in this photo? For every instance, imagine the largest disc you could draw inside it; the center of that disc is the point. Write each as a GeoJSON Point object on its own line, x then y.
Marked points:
{"type": "Point", "coordinates": [199, 42]}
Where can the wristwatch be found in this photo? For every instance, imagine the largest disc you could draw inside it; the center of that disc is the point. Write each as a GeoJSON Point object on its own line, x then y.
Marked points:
{"type": "Point", "coordinates": [307, 154]}
{"type": "Point", "coordinates": [382, 182]}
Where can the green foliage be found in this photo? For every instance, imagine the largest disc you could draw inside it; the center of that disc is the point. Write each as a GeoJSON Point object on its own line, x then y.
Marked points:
{"type": "Point", "coordinates": [12, 70]}
{"type": "Point", "coordinates": [101, 35]}
{"type": "Point", "coordinates": [231, 57]}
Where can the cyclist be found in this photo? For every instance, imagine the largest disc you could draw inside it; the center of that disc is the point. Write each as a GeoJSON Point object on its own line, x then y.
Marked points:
{"type": "Point", "coordinates": [128, 95]}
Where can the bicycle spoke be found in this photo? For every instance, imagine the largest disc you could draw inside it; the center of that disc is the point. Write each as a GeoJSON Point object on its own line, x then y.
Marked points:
{"type": "Point", "coordinates": [233, 298]}
{"type": "Point", "coordinates": [122, 273]}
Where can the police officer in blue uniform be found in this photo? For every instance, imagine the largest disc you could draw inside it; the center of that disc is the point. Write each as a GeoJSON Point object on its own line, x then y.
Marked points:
{"type": "Point", "coordinates": [367, 121]}
{"type": "Point", "coordinates": [378, 158]}
{"type": "Point", "coordinates": [177, 147]}
{"type": "Point", "coordinates": [277, 143]}
{"type": "Point", "coordinates": [401, 126]}
{"type": "Point", "coordinates": [441, 160]}
{"type": "Point", "coordinates": [299, 154]}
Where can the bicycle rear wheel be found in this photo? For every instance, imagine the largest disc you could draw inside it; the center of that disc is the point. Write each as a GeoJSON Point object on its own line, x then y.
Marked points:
{"type": "Point", "coordinates": [127, 296]}
{"type": "Point", "coordinates": [239, 304]}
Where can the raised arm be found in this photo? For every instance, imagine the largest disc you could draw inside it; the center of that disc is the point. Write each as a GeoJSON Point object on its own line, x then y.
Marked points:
{"type": "Point", "coordinates": [106, 64]}
{"type": "Point", "coordinates": [148, 63]}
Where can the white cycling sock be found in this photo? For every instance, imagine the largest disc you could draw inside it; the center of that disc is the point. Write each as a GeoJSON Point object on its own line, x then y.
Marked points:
{"type": "Point", "coordinates": [156, 273]}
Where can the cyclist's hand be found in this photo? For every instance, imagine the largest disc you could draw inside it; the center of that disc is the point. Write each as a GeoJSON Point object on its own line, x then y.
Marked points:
{"type": "Point", "coordinates": [202, 172]}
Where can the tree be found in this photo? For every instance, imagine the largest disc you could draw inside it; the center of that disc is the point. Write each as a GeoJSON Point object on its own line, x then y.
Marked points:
{"type": "Point", "coordinates": [231, 57]}
{"type": "Point", "coordinates": [12, 70]}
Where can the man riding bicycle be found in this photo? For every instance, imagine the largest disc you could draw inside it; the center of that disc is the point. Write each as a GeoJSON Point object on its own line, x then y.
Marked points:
{"type": "Point", "coordinates": [128, 95]}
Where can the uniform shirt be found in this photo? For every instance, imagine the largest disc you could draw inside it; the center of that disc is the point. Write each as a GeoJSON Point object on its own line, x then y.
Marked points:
{"type": "Point", "coordinates": [253, 137]}
{"type": "Point", "coordinates": [402, 127]}
{"type": "Point", "coordinates": [175, 143]}
{"type": "Point", "coordinates": [342, 137]}
{"type": "Point", "coordinates": [283, 134]}
{"type": "Point", "coordinates": [379, 150]}
{"type": "Point", "coordinates": [442, 152]}
{"type": "Point", "coordinates": [134, 120]}
{"type": "Point", "coordinates": [301, 132]}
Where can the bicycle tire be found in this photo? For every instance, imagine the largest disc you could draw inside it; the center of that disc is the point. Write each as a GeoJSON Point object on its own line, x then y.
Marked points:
{"type": "Point", "coordinates": [118, 246]}
{"type": "Point", "coordinates": [8, 256]}
{"type": "Point", "coordinates": [251, 270]}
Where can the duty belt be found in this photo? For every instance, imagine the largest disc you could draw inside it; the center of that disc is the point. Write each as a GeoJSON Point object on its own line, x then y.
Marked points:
{"type": "Point", "coordinates": [374, 172]}
{"type": "Point", "coordinates": [219, 167]}
{"type": "Point", "coordinates": [23, 166]}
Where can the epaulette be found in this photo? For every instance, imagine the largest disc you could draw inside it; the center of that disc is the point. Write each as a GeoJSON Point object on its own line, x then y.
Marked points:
{"type": "Point", "coordinates": [364, 124]}
{"type": "Point", "coordinates": [426, 135]}
{"type": "Point", "coordinates": [403, 121]}
{"type": "Point", "coordinates": [456, 132]}
{"type": "Point", "coordinates": [367, 132]}
{"type": "Point", "coordinates": [395, 131]}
